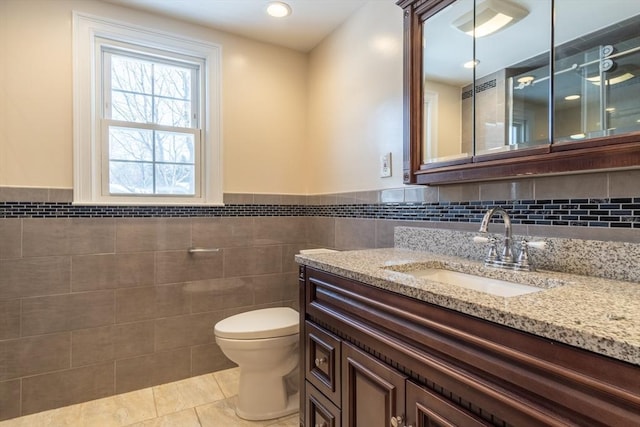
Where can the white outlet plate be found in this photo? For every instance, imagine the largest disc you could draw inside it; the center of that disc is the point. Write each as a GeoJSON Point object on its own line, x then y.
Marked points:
{"type": "Point", "coordinates": [385, 165]}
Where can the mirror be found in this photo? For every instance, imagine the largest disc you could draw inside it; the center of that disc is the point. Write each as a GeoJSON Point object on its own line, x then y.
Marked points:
{"type": "Point", "coordinates": [520, 100]}
{"type": "Point", "coordinates": [604, 48]}
{"type": "Point", "coordinates": [512, 75]}
{"type": "Point", "coordinates": [447, 100]}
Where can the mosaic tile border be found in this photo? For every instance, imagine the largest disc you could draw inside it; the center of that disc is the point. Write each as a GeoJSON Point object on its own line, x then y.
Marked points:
{"type": "Point", "coordinates": [610, 212]}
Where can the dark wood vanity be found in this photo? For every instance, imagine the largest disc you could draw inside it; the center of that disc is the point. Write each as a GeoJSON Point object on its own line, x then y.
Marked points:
{"type": "Point", "coordinates": [372, 358]}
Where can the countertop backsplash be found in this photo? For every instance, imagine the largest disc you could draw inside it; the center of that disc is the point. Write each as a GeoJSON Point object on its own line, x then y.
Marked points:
{"type": "Point", "coordinates": [594, 258]}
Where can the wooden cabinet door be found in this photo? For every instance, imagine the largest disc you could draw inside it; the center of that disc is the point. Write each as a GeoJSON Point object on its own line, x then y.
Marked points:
{"type": "Point", "coordinates": [320, 412]}
{"type": "Point", "coordinates": [372, 392]}
{"type": "Point", "coordinates": [427, 409]}
{"type": "Point", "coordinates": [322, 361]}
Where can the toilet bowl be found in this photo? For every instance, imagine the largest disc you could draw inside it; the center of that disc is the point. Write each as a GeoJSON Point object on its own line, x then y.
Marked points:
{"type": "Point", "coordinates": [264, 344]}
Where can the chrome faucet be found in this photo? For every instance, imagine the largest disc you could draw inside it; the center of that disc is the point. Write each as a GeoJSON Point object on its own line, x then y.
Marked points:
{"type": "Point", "coordinates": [507, 252]}
{"type": "Point", "coordinates": [506, 259]}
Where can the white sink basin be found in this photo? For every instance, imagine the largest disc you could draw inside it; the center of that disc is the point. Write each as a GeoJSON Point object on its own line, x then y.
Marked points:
{"type": "Point", "coordinates": [488, 285]}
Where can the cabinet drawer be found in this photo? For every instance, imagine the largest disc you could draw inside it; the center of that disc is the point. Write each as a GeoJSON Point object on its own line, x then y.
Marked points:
{"type": "Point", "coordinates": [320, 411]}
{"type": "Point", "coordinates": [322, 361]}
{"type": "Point", "coordinates": [425, 408]}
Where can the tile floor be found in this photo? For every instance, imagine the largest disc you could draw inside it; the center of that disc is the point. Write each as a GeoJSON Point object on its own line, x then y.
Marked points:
{"type": "Point", "coordinates": [203, 401]}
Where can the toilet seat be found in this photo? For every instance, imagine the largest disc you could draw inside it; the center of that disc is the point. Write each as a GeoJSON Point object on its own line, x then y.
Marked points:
{"type": "Point", "coordinates": [259, 324]}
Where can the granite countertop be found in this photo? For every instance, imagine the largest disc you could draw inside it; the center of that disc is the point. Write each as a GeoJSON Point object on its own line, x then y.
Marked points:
{"type": "Point", "coordinates": [600, 315]}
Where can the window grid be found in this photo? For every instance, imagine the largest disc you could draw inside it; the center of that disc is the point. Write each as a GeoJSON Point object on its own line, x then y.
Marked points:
{"type": "Point", "coordinates": [153, 95]}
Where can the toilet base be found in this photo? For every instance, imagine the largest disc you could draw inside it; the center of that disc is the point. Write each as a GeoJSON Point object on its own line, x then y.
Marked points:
{"type": "Point", "coordinates": [293, 403]}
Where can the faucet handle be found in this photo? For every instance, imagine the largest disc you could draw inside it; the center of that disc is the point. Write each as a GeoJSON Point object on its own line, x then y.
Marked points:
{"type": "Point", "coordinates": [523, 257]}
{"type": "Point", "coordinates": [493, 249]}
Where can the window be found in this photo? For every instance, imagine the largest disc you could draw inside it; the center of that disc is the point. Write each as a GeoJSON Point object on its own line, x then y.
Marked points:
{"type": "Point", "coordinates": [146, 110]}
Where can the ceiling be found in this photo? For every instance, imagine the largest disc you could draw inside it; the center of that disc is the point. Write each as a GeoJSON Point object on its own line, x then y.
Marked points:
{"type": "Point", "coordinates": [310, 22]}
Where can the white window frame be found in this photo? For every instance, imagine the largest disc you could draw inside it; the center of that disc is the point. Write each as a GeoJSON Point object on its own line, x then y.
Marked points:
{"type": "Point", "coordinates": [88, 130]}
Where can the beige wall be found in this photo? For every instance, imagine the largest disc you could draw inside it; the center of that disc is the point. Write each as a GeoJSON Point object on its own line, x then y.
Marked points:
{"type": "Point", "coordinates": [355, 102]}
{"type": "Point", "coordinates": [264, 99]}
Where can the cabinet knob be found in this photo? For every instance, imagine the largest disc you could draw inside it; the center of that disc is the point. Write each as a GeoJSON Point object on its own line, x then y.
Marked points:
{"type": "Point", "coordinates": [320, 361]}
{"type": "Point", "coordinates": [397, 421]}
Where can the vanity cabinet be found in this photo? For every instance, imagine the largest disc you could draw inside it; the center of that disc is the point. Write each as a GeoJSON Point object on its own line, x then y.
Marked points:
{"type": "Point", "coordinates": [394, 360]}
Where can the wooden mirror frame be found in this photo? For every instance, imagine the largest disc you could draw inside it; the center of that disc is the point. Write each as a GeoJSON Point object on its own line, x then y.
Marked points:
{"type": "Point", "coordinates": [611, 152]}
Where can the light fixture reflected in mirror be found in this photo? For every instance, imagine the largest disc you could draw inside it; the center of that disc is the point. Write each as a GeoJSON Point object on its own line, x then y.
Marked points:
{"type": "Point", "coordinates": [491, 16]}
{"type": "Point", "coordinates": [471, 64]}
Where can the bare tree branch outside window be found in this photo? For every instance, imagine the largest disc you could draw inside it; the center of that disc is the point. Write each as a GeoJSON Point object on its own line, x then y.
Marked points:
{"type": "Point", "coordinates": [151, 160]}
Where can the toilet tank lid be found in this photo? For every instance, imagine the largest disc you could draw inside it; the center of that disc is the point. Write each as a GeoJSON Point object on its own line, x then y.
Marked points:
{"type": "Point", "coordinates": [257, 324]}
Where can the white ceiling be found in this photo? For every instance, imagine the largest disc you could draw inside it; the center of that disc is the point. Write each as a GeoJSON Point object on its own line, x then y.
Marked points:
{"type": "Point", "coordinates": [310, 22]}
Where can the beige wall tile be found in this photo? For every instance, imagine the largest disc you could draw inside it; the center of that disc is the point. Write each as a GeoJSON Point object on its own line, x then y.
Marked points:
{"type": "Point", "coordinates": [60, 195]}
{"type": "Point", "coordinates": [181, 266]}
{"type": "Point", "coordinates": [208, 358]}
{"type": "Point", "coordinates": [64, 236]}
{"type": "Point", "coordinates": [184, 331]}
{"type": "Point", "coordinates": [10, 238]}
{"type": "Point", "coordinates": [66, 387]}
{"type": "Point", "coordinates": [9, 399]}
{"type": "Point", "coordinates": [152, 234]}
{"type": "Point", "coordinates": [152, 369]}
{"type": "Point", "coordinates": [112, 342]}
{"type": "Point", "coordinates": [624, 183]}
{"type": "Point", "coordinates": [355, 233]}
{"type": "Point", "coordinates": [321, 231]}
{"type": "Point", "coordinates": [222, 232]}
{"type": "Point", "coordinates": [458, 192]}
{"type": "Point", "coordinates": [9, 319]}
{"type": "Point", "coordinates": [275, 288]}
{"type": "Point", "coordinates": [220, 294]}
{"type": "Point", "coordinates": [267, 199]}
{"type": "Point", "coordinates": [571, 186]}
{"type": "Point", "coordinates": [237, 198]}
{"type": "Point", "coordinates": [134, 304]}
{"type": "Point", "coordinates": [252, 261]}
{"type": "Point", "coordinates": [279, 230]}
{"type": "Point", "coordinates": [507, 190]}
{"type": "Point", "coordinates": [23, 194]}
{"type": "Point", "coordinates": [29, 356]}
{"type": "Point", "coordinates": [42, 315]}
{"type": "Point", "coordinates": [109, 271]}
{"type": "Point", "coordinates": [34, 276]}
{"type": "Point", "coordinates": [289, 252]}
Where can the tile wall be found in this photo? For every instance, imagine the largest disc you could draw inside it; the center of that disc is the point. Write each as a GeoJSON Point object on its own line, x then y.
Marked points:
{"type": "Point", "coordinates": [96, 301]}
{"type": "Point", "coordinates": [90, 307]}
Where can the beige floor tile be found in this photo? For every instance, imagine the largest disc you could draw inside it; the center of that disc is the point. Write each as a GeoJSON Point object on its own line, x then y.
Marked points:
{"type": "Point", "coordinates": [61, 417]}
{"type": "Point", "coordinates": [290, 421]}
{"type": "Point", "coordinates": [222, 414]}
{"type": "Point", "coordinates": [186, 418]}
{"type": "Point", "coordinates": [114, 411]}
{"type": "Point", "coordinates": [119, 410]}
{"type": "Point", "coordinates": [189, 393]}
{"type": "Point", "coordinates": [228, 380]}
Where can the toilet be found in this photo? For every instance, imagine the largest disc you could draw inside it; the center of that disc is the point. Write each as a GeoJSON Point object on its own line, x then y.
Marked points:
{"type": "Point", "coordinates": [264, 344]}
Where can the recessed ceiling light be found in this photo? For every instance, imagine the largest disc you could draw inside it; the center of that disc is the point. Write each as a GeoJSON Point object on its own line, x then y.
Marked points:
{"type": "Point", "coordinates": [578, 136]}
{"type": "Point", "coordinates": [572, 97]}
{"type": "Point", "coordinates": [278, 9]}
{"type": "Point", "coordinates": [471, 64]}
